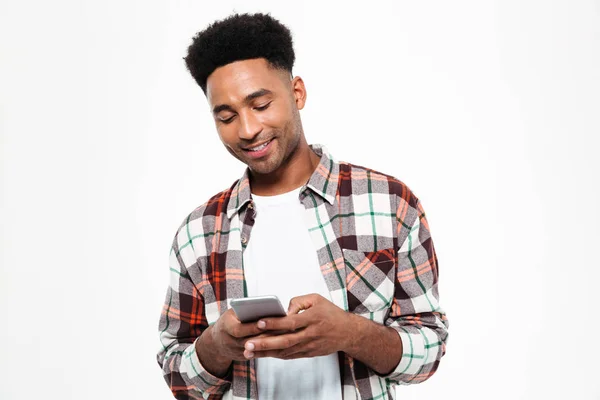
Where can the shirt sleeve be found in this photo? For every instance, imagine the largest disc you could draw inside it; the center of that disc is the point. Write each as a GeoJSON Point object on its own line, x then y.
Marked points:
{"type": "Point", "coordinates": [415, 313]}
{"type": "Point", "coordinates": [181, 323]}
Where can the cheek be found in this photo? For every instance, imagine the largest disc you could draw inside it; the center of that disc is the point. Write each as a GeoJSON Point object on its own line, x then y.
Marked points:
{"type": "Point", "coordinates": [278, 117]}
{"type": "Point", "coordinates": [227, 134]}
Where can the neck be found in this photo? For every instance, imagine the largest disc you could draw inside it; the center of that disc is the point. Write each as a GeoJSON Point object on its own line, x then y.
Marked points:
{"type": "Point", "coordinates": [295, 172]}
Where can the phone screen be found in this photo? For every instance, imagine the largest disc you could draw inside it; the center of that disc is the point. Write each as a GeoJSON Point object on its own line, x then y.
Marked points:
{"type": "Point", "coordinates": [250, 309]}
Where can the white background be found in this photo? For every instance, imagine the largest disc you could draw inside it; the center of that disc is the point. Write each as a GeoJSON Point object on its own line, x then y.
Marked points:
{"type": "Point", "coordinates": [487, 110]}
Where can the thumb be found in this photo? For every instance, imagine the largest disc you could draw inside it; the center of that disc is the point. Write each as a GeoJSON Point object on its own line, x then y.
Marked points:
{"type": "Point", "coordinates": [301, 303]}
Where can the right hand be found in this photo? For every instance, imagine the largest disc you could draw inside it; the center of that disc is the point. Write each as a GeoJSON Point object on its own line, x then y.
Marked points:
{"type": "Point", "coordinates": [229, 335]}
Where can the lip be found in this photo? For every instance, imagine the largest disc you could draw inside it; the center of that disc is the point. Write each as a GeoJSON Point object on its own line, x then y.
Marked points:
{"type": "Point", "coordinates": [261, 153]}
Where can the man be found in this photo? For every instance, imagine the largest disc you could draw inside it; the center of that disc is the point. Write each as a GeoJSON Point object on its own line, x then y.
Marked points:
{"type": "Point", "coordinates": [348, 248]}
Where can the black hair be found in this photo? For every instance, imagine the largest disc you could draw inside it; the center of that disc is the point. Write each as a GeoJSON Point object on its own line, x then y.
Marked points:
{"type": "Point", "coordinates": [239, 37]}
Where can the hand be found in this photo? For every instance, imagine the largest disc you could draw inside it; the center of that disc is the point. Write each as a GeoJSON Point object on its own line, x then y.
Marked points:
{"type": "Point", "coordinates": [229, 336]}
{"type": "Point", "coordinates": [316, 331]}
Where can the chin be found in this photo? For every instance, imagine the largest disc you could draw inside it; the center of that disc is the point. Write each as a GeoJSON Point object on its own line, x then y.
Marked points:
{"type": "Point", "coordinates": [268, 166]}
{"type": "Point", "coordinates": [263, 168]}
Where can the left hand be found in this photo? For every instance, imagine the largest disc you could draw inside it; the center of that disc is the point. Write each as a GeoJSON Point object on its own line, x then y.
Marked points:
{"type": "Point", "coordinates": [321, 329]}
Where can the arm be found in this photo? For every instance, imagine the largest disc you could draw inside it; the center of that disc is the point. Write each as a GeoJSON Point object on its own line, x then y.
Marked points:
{"type": "Point", "coordinates": [378, 347]}
{"type": "Point", "coordinates": [209, 356]}
{"type": "Point", "coordinates": [182, 329]}
{"type": "Point", "coordinates": [415, 314]}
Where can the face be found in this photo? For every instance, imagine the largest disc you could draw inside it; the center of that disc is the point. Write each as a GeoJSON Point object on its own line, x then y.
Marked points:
{"type": "Point", "coordinates": [256, 112]}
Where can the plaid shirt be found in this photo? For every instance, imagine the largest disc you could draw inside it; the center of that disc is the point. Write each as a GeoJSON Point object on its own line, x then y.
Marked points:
{"type": "Point", "coordinates": [376, 256]}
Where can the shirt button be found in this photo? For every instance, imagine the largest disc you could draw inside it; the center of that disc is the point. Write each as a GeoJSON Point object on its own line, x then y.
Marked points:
{"type": "Point", "coordinates": [244, 240]}
{"type": "Point", "coordinates": [250, 206]}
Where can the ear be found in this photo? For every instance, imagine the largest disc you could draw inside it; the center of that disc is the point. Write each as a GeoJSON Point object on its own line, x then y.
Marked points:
{"type": "Point", "coordinates": [299, 91]}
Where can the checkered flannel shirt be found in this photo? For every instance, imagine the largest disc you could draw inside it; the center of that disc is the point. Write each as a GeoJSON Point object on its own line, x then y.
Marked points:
{"type": "Point", "coordinates": [376, 256]}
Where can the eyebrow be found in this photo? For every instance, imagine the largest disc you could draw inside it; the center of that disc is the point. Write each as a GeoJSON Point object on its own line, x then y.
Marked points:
{"type": "Point", "coordinates": [247, 99]}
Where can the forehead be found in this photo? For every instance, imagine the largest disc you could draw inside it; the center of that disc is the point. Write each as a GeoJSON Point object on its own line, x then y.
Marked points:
{"type": "Point", "coordinates": [232, 82]}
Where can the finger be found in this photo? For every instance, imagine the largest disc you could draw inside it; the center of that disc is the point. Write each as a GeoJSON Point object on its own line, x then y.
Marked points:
{"type": "Point", "coordinates": [274, 342]}
{"type": "Point", "coordinates": [305, 347]}
{"type": "Point", "coordinates": [290, 323]}
{"type": "Point", "coordinates": [241, 342]}
{"type": "Point", "coordinates": [275, 354]}
{"type": "Point", "coordinates": [304, 302]}
{"type": "Point", "coordinates": [243, 330]}
{"type": "Point", "coordinates": [275, 333]}
{"type": "Point", "coordinates": [296, 355]}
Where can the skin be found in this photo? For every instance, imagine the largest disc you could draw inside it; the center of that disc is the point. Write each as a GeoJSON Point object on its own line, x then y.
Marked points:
{"type": "Point", "coordinates": [323, 328]}
{"type": "Point", "coordinates": [275, 115]}
{"type": "Point", "coordinates": [251, 104]}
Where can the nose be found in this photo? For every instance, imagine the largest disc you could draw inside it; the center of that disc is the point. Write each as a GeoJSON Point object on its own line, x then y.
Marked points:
{"type": "Point", "coordinates": [250, 126]}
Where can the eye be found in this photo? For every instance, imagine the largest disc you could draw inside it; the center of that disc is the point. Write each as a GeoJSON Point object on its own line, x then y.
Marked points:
{"type": "Point", "coordinates": [226, 121]}
{"type": "Point", "coordinates": [261, 108]}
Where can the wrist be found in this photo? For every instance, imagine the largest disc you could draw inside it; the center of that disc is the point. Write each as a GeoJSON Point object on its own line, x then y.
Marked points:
{"type": "Point", "coordinates": [352, 333]}
{"type": "Point", "coordinates": [209, 345]}
{"type": "Point", "coordinates": [211, 356]}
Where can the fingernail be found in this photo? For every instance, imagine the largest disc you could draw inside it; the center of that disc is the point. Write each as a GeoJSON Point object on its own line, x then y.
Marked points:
{"type": "Point", "coordinates": [250, 355]}
{"type": "Point", "coordinates": [249, 346]}
{"type": "Point", "coordinates": [262, 324]}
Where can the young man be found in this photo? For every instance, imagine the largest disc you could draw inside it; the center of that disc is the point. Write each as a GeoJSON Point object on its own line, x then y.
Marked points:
{"type": "Point", "coordinates": [348, 248]}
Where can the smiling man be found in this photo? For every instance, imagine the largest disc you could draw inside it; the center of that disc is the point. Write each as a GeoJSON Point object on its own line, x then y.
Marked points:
{"type": "Point", "coordinates": [346, 247]}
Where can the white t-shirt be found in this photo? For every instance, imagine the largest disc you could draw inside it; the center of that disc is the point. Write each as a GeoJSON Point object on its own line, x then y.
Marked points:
{"type": "Point", "coordinates": [281, 260]}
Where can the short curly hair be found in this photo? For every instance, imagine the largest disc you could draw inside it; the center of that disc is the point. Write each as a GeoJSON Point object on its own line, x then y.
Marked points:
{"type": "Point", "coordinates": [239, 37]}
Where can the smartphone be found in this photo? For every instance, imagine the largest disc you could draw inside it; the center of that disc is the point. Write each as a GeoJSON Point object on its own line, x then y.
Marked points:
{"type": "Point", "coordinates": [249, 309]}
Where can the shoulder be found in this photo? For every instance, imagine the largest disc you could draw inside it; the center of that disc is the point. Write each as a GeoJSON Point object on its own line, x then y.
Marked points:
{"type": "Point", "coordinates": [367, 180]}
{"type": "Point", "coordinates": [215, 206]}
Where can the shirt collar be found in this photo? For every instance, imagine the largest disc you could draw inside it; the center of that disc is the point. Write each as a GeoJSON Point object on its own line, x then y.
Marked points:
{"type": "Point", "coordinates": [323, 181]}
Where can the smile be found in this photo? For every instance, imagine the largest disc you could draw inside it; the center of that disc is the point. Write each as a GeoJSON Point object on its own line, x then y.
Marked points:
{"type": "Point", "coordinates": [259, 151]}
{"type": "Point", "coordinates": [259, 148]}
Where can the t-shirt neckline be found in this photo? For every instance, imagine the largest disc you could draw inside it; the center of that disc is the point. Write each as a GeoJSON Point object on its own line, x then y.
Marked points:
{"type": "Point", "coordinates": [284, 198]}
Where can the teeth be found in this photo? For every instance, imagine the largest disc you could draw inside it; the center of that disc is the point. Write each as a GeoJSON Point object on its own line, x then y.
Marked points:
{"type": "Point", "coordinates": [259, 148]}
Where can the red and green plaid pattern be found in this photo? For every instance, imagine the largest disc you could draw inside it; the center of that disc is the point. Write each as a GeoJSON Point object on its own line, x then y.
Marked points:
{"type": "Point", "coordinates": [376, 255]}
